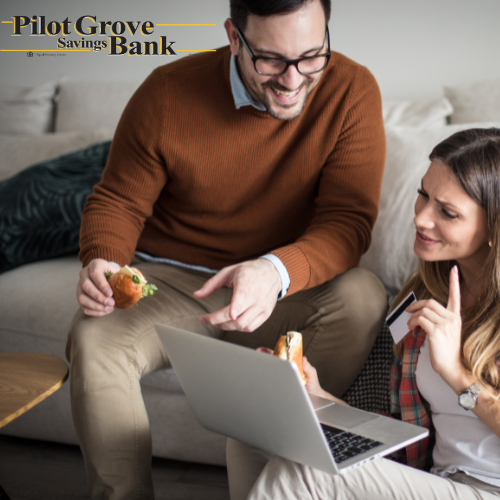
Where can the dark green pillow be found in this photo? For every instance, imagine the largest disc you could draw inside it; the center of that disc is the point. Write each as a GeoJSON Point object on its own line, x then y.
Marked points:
{"type": "Point", "coordinates": [41, 207]}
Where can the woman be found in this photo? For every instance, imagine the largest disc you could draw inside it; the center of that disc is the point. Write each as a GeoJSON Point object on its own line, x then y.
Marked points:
{"type": "Point", "coordinates": [449, 360]}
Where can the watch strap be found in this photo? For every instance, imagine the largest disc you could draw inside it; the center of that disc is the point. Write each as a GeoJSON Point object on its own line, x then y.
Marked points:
{"type": "Point", "coordinates": [475, 389]}
{"type": "Point", "coordinates": [472, 393]}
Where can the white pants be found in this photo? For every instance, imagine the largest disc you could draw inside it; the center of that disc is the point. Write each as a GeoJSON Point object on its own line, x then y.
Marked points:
{"type": "Point", "coordinates": [250, 478]}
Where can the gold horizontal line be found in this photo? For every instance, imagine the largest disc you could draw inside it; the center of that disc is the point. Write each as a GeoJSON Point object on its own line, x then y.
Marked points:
{"type": "Point", "coordinates": [199, 50]}
{"type": "Point", "coordinates": [6, 22]}
{"type": "Point", "coordinates": [45, 50]}
{"type": "Point", "coordinates": [142, 55]}
{"type": "Point", "coordinates": [186, 25]}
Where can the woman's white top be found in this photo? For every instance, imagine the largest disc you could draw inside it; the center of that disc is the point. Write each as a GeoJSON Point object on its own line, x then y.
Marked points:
{"type": "Point", "coordinates": [463, 442]}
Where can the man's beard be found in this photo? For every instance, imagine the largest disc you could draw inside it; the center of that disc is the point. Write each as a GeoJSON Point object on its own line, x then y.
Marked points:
{"type": "Point", "coordinates": [265, 98]}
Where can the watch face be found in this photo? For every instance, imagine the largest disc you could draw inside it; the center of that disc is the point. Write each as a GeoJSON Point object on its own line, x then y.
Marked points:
{"type": "Point", "coordinates": [467, 400]}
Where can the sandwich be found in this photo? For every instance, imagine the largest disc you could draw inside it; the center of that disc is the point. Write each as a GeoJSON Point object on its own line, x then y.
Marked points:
{"type": "Point", "coordinates": [289, 347]}
{"type": "Point", "coordinates": [129, 286]}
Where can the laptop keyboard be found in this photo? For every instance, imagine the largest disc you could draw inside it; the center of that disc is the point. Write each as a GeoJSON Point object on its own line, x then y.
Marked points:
{"type": "Point", "coordinates": [345, 445]}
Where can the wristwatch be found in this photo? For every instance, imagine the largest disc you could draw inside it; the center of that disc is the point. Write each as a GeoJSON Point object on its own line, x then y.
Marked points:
{"type": "Point", "coordinates": [467, 399]}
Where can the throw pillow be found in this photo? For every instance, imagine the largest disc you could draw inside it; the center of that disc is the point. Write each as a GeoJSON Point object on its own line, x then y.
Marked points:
{"type": "Point", "coordinates": [41, 207]}
{"type": "Point", "coordinates": [27, 111]}
{"type": "Point", "coordinates": [479, 102]}
{"type": "Point", "coordinates": [390, 255]}
{"type": "Point", "coordinates": [80, 104]}
{"type": "Point", "coordinates": [416, 113]}
{"type": "Point", "coordinates": [371, 390]}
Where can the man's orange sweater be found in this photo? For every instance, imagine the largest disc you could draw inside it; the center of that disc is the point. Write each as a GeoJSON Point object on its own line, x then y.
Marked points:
{"type": "Point", "coordinates": [191, 178]}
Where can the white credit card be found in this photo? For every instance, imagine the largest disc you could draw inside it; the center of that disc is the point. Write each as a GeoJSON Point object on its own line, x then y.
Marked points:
{"type": "Point", "coordinates": [398, 319]}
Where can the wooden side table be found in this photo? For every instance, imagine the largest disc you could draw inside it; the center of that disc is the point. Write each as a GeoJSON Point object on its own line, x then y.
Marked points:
{"type": "Point", "coordinates": [25, 380]}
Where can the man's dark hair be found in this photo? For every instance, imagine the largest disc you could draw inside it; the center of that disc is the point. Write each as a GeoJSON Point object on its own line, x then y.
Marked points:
{"type": "Point", "coordinates": [241, 8]}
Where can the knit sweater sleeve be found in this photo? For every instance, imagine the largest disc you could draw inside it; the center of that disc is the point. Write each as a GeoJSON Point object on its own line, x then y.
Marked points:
{"type": "Point", "coordinates": [348, 194]}
{"type": "Point", "coordinates": [132, 180]}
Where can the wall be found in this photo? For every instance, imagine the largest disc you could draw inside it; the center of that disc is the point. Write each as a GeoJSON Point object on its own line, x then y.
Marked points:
{"type": "Point", "coordinates": [414, 48]}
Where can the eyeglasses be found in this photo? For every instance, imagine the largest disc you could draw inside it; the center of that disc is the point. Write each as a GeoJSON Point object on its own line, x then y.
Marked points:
{"type": "Point", "coordinates": [271, 66]}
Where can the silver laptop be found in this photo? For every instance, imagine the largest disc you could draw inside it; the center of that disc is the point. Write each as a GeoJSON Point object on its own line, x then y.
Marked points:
{"type": "Point", "coordinates": [259, 399]}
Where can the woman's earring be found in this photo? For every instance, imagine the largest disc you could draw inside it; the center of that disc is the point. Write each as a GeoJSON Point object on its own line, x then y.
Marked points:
{"type": "Point", "coordinates": [489, 243]}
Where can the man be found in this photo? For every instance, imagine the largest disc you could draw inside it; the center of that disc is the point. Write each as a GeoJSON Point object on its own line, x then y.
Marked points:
{"type": "Point", "coordinates": [239, 177]}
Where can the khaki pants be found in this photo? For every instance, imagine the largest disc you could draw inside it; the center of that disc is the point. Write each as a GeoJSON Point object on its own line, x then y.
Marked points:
{"type": "Point", "coordinates": [250, 478]}
{"type": "Point", "coordinates": [108, 356]}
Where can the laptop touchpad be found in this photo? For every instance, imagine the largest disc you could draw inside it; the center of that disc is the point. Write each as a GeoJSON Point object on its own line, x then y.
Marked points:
{"type": "Point", "coordinates": [343, 416]}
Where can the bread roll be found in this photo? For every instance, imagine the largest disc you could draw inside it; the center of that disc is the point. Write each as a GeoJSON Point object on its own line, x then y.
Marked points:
{"type": "Point", "coordinates": [129, 286]}
{"type": "Point", "coordinates": [289, 347]}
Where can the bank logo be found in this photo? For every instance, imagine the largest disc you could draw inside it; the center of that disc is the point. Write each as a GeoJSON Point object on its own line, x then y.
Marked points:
{"type": "Point", "coordinates": [86, 27]}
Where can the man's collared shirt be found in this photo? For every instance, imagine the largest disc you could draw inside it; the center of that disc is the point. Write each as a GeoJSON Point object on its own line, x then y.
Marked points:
{"type": "Point", "coordinates": [240, 93]}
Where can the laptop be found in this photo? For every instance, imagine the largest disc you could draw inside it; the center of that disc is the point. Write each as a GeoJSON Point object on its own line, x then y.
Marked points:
{"type": "Point", "coordinates": [259, 399]}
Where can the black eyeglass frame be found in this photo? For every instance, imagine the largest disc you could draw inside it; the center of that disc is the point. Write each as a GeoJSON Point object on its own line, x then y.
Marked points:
{"type": "Point", "coordinates": [288, 62]}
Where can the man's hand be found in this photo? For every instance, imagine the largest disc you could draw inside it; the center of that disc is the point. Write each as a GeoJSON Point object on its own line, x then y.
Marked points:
{"type": "Point", "coordinates": [256, 285]}
{"type": "Point", "coordinates": [93, 291]}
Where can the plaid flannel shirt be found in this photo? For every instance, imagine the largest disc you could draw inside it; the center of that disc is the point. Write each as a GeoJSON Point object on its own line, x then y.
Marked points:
{"type": "Point", "coordinates": [408, 405]}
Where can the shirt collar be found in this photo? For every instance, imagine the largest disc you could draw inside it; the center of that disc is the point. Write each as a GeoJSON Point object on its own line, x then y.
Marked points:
{"type": "Point", "coordinates": [240, 93]}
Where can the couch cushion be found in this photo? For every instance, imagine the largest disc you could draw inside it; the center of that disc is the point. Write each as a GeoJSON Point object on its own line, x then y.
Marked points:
{"type": "Point", "coordinates": [38, 302]}
{"type": "Point", "coordinates": [479, 102]}
{"type": "Point", "coordinates": [416, 113]}
{"type": "Point", "coordinates": [82, 105]}
{"type": "Point", "coordinates": [18, 152]}
{"type": "Point", "coordinates": [27, 111]}
{"type": "Point", "coordinates": [41, 206]}
{"type": "Point", "coordinates": [390, 255]}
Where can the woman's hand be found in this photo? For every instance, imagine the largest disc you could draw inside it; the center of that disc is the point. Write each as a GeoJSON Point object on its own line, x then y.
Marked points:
{"type": "Point", "coordinates": [265, 350]}
{"type": "Point", "coordinates": [444, 330]}
{"type": "Point", "coordinates": [313, 386]}
{"type": "Point", "coordinates": [312, 382]}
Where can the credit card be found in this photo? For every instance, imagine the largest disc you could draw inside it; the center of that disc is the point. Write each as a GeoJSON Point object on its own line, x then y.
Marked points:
{"type": "Point", "coordinates": [398, 319]}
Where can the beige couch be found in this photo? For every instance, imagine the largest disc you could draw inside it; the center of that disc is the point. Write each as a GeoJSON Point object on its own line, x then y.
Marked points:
{"type": "Point", "coordinates": [38, 300]}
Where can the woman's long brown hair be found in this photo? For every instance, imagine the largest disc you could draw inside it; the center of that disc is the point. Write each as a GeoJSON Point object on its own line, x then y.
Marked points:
{"type": "Point", "coordinates": [474, 158]}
